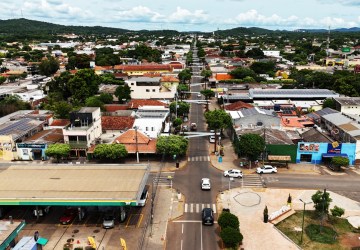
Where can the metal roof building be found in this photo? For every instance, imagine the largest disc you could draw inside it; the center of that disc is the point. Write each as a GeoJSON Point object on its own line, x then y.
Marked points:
{"type": "Point", "coordinates": [69, 185]}
{"type": "Point", "coordinates": [293, 94]}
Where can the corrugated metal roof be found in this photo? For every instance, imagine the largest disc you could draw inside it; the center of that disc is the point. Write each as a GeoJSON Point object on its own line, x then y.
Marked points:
{"type": "Point", "coordinates": [292, 93]}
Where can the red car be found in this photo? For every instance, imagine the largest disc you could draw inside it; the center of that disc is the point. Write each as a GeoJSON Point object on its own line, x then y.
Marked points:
{"type": "Point", "coordinates": [68, 216]}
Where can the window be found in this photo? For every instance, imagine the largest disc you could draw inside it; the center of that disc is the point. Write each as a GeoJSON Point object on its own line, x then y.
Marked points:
{"type": "Point", "coordinates": [132, 84]}
{"type": "Point", "coordinates": [153, 90]}
{"type": "Point", "coordinates": [146, 129]}
{"type": "Point", "coordinates": [147, 90]}
{"type": "Point", "coordinates": [152, 129]}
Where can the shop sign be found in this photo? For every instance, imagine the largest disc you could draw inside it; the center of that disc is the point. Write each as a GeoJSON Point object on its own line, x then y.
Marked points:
{"type": "Point", "coordinates": [309, 147]}
{"type": "Point", "coordinates": [26, 145]}
{"type": "Point", "coordinates": [334, 148]}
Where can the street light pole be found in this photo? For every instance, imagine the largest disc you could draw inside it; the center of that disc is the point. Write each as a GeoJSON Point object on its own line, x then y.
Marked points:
{"type": "Point", "coordinates": [303, 219]}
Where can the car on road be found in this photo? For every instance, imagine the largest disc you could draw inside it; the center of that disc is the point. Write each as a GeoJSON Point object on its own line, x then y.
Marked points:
{"type": "Point", "coordinates": [193, 126]}
{"type": "Point", "coordinates": [207, 216]}
{"type": "Point", "coordinates": [68, 216]}
{"type": "Point", "coordinates": [144, 196]}
{"type": "Point", "coordinates": [185, 128]}
{"type": "Point", "coordinates": [266, 169]}
{"type": "Point", "coordinates": [205, 184]}
{"type": "Point", "coordinates": [198, 95]}
{"type": "Point", "coordinates": [109, 221]}
{"type": "Point", "coordinates": [233, 173]}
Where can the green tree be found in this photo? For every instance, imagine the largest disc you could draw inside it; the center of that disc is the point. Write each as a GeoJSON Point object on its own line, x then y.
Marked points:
{"type": "Point", "coordinates": [106, 57]}
{"type": "Point", "coordinates": [231, 237]}
{"type": "Point", "coordinates": [76, 61]}
{"type": "Point", "coordinates": [184, 75]}
{"type": "Point", "coordinates": [2, 79]}
{"type": "Point", "coordinates": [123, 93]}
{"type": "Point", "coordinates": [106, 98]}
{"type": "Point", "coordinates": [337, 162]}
{"type": "Point", "coordinates": [208, 93]}
{"type": "Point", "coordinates": [177, 122]}
{"type": "Point", "coordinates": [94, 101]}
{"type": "Point", "coordinates": [58, 151]}
{"type": "Point", "coordinates": [227, 219]}
{"type": "Point", "coordinates": [84, 84]}
{"type": "Point", "coordinates": [329, 103]}
{"type": "Point", "coordinates": [49, 66]}
{"type": "Point", "coordinates": [110, 151]}
{"type": "Point", "coordinates": [337, 211]}
{"type": "Point", "coordinates": [251, 146]}
{"type": "Point", "coordinates": [240, 73]}
{"type": "Point", "coordinates": [182, 108]}
{"type": "Point", "coordinates": [255, 53]}
{"type": "Point", "coordinates": [263, 67]}
{"type": "Point", "coordinates": [206, 74]}
{"type": "Point", "coordinates": [181, 89]}
{"type": "Point", "coordinates": [218, 119]}
{"type": "Point", "coordinates": [13, 78]}
{"type": "Point", "coordinates": [172, 145]}
{"type": "Point", "coordinates": [321, 201]}
{"type": "Point", "coordinates": [62, 109]}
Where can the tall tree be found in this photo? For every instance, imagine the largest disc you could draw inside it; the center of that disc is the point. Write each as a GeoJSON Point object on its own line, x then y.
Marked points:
{"type": "Point", "coordinates": [218, 119]}
{"type": "Point", "coordinates": [172, 145]}
{"type": "Point", "coordinates": [49, 66]}
{"type": "Point", "coordinates": [84, 84]}
{"type": "Point", "coordinates": [58, 151]}
{"type": "Point", "coordinates": [184, 75]}
{"type": "Point", "coordinates": [251, 146]}
{"type": "Point", "coordinates": [110, 151]}
{"type": "Point", "coordinates": [123, 93]}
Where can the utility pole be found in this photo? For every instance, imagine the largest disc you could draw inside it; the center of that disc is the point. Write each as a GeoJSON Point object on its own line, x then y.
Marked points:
{"type": "Point", "coordinates": [263, 158]}
{"type": "Point", "coordinates": [136, 141]}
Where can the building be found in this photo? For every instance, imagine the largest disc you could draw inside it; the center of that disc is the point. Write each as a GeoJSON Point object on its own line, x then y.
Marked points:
{"type": "Point", "coordinates": [151, 88]}
{"type": "Point", "coordinates": [137, 141]}
{"type": "Point", "coordinates": [114, 124]}
{"type": "Point", "coordinates": [34, 147]}
{"type": "Point", "coordinates": [348, 105]}
{"type": "Point", "coordinates": [151, 120]}
{"type": "Point", "coordinates": [85, 128]}
{"type": "Point", "coordinates": [140, 70]}
{"type": "Point", "coordinates": [254, 118]}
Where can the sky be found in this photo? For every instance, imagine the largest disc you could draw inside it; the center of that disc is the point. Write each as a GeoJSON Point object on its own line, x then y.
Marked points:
{"type": "Point", "coordinates": [189, 15]}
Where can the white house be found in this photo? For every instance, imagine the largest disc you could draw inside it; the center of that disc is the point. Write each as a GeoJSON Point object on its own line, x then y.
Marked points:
{"type": "Point", "coordinates": [151, 120]}
{"type": "Point", "coordinates": [151, 88]}
{"type": "Point", "coordinates": [348, 105]}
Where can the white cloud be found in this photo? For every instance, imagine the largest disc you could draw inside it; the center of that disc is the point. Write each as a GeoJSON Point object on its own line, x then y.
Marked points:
{"type": "Point", "coordinates": [342, 2]}
{"type": "Point", "coordinates": [138, 14]}
{"type": "Point", "coordinates": [185, 16]}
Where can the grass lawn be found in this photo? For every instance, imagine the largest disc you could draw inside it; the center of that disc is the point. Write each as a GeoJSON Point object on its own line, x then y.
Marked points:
{"type": "Point", "coordinates": [346, 236]}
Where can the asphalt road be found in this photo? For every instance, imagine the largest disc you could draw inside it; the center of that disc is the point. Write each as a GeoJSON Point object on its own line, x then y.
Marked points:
{"type": "Point", "coordinates": [188, 232]}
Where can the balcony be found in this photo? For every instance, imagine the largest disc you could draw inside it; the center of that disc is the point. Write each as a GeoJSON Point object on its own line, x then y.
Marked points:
{"type": "Point", "coordinates": [78, 144]}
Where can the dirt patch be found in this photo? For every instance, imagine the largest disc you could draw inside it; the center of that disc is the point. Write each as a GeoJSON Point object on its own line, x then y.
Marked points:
{"type": "Point", "coordinates": [350, 240]}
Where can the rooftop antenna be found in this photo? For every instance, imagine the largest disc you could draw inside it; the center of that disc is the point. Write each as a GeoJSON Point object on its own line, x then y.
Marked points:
{"type": "Point", "coordinates": [328, 43]}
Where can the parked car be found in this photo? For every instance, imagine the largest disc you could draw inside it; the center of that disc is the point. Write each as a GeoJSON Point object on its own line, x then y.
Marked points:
{"type": "Point", "coordinates": [109, 221]}
{"type": "Point", "coordinates": [205, 184]}
{"type": "Point", "coordinates": [233, 173]}
{"type": "Point", "coordinates": [266, 169]}
{"type": "Point", "coordinates": [207, 216]}
{"type": "Point", "coordinates": [144, 196]}
{"type": "Point", "coordinates": [199, 95]}
{"type": "Point", "coordinates": [68, 216]}
{"type": "Point", "coordinates": [185, 128]}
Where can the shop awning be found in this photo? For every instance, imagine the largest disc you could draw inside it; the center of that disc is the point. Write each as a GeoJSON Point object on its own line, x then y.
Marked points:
{"type": "Point", "coordinates": [333, 155]}
{"type": "Point", "coordinates": [42, 241]}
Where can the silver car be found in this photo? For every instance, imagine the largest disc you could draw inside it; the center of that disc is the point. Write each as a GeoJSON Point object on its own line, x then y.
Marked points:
{"type": "Point", "coordinates": [109, 221]}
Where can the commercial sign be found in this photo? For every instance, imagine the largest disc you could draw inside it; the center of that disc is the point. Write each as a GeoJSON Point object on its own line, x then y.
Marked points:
{"type": "Point", "coordinates": [309, 147]}
{"type": "Point", "coordinates": [334, 148]}
{"type": "Point", "coordinates": [26, 145]}
{"type": "Point", "coordinates": [345, 49]}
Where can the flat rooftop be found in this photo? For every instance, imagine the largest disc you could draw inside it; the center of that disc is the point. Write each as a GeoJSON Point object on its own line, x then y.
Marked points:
{"type": "Point", "coordinates": [7, 231]}
{"type": "Point", "coordinates": [66, 185]}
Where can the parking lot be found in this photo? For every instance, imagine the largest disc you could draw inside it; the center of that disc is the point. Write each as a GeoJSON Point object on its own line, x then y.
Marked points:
{"type": "Point", "coordinates": [77, 232]}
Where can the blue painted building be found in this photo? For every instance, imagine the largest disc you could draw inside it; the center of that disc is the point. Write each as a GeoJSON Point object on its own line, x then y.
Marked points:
{"type": "Point", "coordinates": [316, 153]}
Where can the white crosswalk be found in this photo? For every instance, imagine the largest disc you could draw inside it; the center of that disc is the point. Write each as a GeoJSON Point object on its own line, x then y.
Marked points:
{"type": "Point", "coordinates": [199, 158]}
{"type": "Point", "coordinates": [198, 207]}
{"type": "Point", "coordinates": [252, 180]}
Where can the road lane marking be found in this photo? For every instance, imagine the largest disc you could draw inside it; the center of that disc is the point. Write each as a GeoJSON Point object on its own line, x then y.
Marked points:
{"type": "Point", "coordinates": [191, 208]}
{"type": "Point", "coordinates": [201, 237]}
{"type": "Point", "coordinates": [202, 206]}
{"type": "Point", "coordinates": [186, 207]}
{"type": "Point", "coordinates": [214, 208]}
{"type": "Point", "coordinates": [197, 207]}
{"type": "Point", "coordinates": [181, 245]}
{"type": "Point", "coordinates": [182, 228]}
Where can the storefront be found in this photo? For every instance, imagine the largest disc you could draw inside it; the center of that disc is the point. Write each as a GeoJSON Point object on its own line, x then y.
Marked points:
{"type": "Point", "coordinates": [6, 147]}
{"type": "Point", "coordinates": [31, 151]}
{"type": "Point", "coordinates": [316, 153]}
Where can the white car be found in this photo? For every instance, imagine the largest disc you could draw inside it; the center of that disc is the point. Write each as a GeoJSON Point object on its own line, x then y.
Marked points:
{"type": "Point", "coordinates": [266, 169]}
{"type": "Point", "coordinates": [205, 184]}
{"type": "Point", "coordinates": [233, 173]}
{"type": "Point", "coordinates": [198, 95]}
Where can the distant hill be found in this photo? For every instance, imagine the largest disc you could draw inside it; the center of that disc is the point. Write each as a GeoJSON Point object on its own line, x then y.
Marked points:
{"type": "Point", "coordinates": [244, 31]}
{"type": "Point", "coordinates": [25, 26]}
{"type": "Point", "coordinates": [344, 30]}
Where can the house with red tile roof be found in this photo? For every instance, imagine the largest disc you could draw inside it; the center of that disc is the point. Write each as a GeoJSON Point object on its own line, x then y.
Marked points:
{"type": "Point", "coordinates": [113, 124]}
{"type": "Point", "coordinates": [136, 103]}
{"type": "Point", "coordinates": [140, 70]}
{"type": "Point", "coordinates": [59, 123]}
{"type": "Point", "coordinates": [239, 105]}
{"type": "Point", "coordinates": [136, 141]}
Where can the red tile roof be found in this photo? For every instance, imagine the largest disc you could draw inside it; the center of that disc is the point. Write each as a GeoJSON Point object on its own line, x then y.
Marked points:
{"type": "Point", "coordinates": [60, 122]}
{"type": "Point", "coordinates": [144, 143]}
{"type": "Point", "coordinates": [169, 79]}
{"type": "Point", "coordinates": [115, 107]}
{"type": "Point", "coordinates": [136, 103]}
{"type": "Point", "coordinates": [238, 106]}
{"type": "Point", "coordinates": [144, 67]}
{"type": "Point", "coordinates": [50, 135]}
{"type": "Point", "coordinates": [117, 122]}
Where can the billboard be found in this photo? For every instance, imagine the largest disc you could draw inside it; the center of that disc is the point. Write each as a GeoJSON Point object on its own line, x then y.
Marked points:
{"type": "Point", "coordinates": [309, 147]}
{"type": "Point", "coordinates": [334, 148]}
{"type": "Point", "coordinates": [345, 49]}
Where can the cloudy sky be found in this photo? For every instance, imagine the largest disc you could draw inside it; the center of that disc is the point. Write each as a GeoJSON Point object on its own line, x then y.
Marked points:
{"type": "Point", "coordinates": [189, 15]}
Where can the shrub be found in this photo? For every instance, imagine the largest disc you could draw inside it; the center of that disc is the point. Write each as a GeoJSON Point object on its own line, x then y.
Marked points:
{"type": "Point", "coordinates": [227, 219]}
{"type": "Point", "coordinates": [231, 237]}
{"type": "Point", "coordinates": [337, 211]}
{"type": "Point", "coordinates": [327, 235]}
